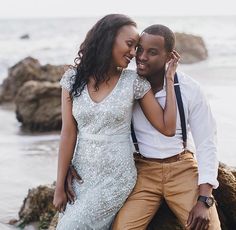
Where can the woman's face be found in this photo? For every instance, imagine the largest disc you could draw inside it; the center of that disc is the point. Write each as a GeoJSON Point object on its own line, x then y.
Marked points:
{"type": "Point", "coordinates": [124, 46]}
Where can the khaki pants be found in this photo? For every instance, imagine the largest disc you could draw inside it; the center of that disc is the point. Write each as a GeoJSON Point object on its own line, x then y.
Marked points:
{"type": "Point", "coordinates": [175, 182]}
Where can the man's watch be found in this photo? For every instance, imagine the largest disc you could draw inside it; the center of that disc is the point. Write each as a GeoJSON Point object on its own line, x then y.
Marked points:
{"type": "Point", "coordinates": [207, 200]}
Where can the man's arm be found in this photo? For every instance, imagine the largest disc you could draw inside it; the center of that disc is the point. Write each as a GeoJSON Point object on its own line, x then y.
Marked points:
{"type": "Point", "coordinates": [203, 128]}
{"type": "Point", "coordinates": [199, 217]}
{"type": "Point", "coordinates": [71, 174]}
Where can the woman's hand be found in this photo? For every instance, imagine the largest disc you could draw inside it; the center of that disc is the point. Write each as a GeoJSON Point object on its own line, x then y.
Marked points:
{"type": "Point", "coordinates": [172, 66]}
{"type": "Point", "coordinates": [60, 200]}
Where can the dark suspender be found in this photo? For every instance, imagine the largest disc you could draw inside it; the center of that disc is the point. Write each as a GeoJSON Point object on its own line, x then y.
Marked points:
{"type": "Point", "coordinates": [181, 110]}
{"type": "Point", "coordinates": [181, 114]}
{"type": "Point", "coordinates": [135, 142]}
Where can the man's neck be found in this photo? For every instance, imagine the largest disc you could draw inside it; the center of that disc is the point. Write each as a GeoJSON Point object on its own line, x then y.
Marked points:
{"type": "Point", "coordinates": [157, 81]}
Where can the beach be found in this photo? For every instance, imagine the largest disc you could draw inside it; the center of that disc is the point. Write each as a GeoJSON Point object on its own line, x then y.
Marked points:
{"type": "Point", "coordinates": [30, 159]}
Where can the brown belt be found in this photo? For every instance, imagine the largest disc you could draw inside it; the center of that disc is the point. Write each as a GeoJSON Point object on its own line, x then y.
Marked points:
{"type": "Point", "coordinates": [171, 159]}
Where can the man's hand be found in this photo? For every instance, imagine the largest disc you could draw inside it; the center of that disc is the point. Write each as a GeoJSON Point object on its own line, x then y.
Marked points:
{"type": "Point", "coordinates": [199, 217]}
{"type": "Point", "coordinates": [71, 174]}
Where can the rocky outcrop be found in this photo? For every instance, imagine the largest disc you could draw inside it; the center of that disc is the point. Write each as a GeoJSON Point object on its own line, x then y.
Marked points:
{"type": "Point", "coordinates": [226, 197]}
{"type": "Point", "coordinates": [36, 92]}
{"type": "Point", "coordinates": [38, 106]}
{"type": "Point", "coordinates": [25, 36]}
{"type": "Point", "coordinates": [191, 48]}
{"type": "Point", "coordinates": [38, 206]}
{"type": "Point", "coordinates": [26, 70]}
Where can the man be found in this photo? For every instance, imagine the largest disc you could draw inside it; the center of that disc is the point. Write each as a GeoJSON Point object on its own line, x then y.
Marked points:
{"type": "Point", "coordinates": [166, 166]}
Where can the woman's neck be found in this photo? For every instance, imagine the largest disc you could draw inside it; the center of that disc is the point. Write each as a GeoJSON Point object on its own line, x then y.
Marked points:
{"type": "Point", "coordinates": [114, 71]}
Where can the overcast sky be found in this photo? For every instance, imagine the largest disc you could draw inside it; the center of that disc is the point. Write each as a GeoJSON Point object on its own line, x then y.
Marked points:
{"type": "Point", "coordinates": [78, 8]}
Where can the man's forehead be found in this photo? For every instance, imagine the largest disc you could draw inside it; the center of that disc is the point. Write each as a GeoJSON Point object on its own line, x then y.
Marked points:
{"type": "Point", "coordinates": [153, 36]}
{"type": "Point", "coordinates": [151, 39]}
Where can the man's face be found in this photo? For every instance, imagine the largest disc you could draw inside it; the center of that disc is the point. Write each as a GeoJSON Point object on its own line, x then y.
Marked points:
{"type": "Point", "coordinates": [151, 55]}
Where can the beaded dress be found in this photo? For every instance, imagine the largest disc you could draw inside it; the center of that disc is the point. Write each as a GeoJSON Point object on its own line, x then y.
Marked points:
{"type": "Point", "coordinates": [103, 155]}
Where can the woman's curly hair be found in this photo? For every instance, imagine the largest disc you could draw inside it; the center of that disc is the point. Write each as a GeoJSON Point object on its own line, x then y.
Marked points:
{"type": "Point", "coordinates": [95, 53]}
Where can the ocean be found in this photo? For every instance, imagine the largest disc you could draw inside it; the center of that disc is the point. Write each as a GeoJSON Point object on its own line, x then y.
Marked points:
{"type": "Point", "coordinates": [30, 159]}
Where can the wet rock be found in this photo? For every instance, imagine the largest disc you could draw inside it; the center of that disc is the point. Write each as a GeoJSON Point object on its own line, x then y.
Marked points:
{"type": "Point", "coordinates": [53, 223]}
{"type": "Point", "coordinates": [38, 207]}
{"type": "Point", "coordinates": [24, 36]}
{"type": "Point", "coordinates": [12, 221]}
{"type": "Point", "coordinates": [191, 48]}
{"type": "Point", "coordinates": [38, 106]}
{"type": "Point", "coordinates": [26, 70]}
{"type": "Point", "coordinates": [225, 196]}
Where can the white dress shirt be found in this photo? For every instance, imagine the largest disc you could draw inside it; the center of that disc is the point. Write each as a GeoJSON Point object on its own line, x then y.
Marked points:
{"type": "Point", "coordinates": [201, 131]}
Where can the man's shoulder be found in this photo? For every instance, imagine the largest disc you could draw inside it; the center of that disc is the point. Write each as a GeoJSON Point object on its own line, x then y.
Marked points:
{"type": "Point", "coordinates": [187, 82]}
{"type": "Point", "coordinates": [190, 88]}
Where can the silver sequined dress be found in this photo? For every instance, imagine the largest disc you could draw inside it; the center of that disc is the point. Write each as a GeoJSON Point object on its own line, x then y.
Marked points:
{"type": "Point", "coordinates": [103, 155]}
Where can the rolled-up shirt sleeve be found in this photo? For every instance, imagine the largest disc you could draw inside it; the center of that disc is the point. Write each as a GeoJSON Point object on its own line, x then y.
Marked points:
{"type": "Point", "coordinates": [204, 131]}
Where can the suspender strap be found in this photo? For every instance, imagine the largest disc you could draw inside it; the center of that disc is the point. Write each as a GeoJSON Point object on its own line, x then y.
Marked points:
{"type": "Point", "coordinates": [135, 142]}
{"type": "Point", "coordinates": [181, 114]}
{"type": "Point", "coordinates": [181, 110]}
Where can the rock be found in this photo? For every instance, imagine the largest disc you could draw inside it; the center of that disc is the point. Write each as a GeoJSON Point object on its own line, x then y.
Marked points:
{"type": "Point", "coordinates": [26, 70]}
{"type": "Point", "coordinates": [38, 206]}
{"type": "Point", "coordinates": [53, 223]}
{"type": "Point", "coordinates": [12, 221]}
{"type": "Point", "coordinates": [225, 196]}
{"type": "Point", "coordinates": [38, 106]}
{"type": "Point", "coordinates": [25, 36]}
{"type": "Point", "coordinates": [191, 48]}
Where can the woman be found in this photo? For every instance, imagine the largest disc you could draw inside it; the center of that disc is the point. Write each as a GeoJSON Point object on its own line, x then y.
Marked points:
{"type": "Point", "coordinates": [97, 100]}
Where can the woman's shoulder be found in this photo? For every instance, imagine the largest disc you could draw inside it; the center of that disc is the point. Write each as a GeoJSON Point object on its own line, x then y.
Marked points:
{"type": "Point", "coordinates": [68, 78]}
{"type": "Point", "coordinates": [130, 74]}
{"type": "Point", "coordinates": [70, 72]}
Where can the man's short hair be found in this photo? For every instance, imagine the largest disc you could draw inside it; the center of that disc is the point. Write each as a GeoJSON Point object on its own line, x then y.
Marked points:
{"type": "Point", "coordinates": [165, 32]}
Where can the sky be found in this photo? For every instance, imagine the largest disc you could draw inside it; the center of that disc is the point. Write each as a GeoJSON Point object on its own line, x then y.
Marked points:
{"type": "Point", "coordinates": [82, 8]}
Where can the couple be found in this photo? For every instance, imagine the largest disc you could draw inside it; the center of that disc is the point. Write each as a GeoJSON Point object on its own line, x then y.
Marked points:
{"type": "Point", "coordinates": [99, 98]}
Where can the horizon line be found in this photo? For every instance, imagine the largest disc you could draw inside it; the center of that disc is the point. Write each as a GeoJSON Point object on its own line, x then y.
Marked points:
{"type": "Point", "coordinates": [96, 16]}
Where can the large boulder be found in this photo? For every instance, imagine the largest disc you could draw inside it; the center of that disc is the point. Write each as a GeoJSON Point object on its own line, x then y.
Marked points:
{"type": "Point", "coordinates": [38, 206]}
{"type": "Point", "coordinates": [225, 196]}
{"type": "Point", "coordinates": [38, 106]}
{"type": "Point", "coordinates": [191, 48]}
{"type": "Point", "coordinates": [26, 70]}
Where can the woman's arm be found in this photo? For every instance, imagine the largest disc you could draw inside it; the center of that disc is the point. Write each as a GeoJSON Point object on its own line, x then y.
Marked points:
{"type": "Point", "coordinates": [66, 149]}
{"type": "Point", "coordinates": [163, 121]}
